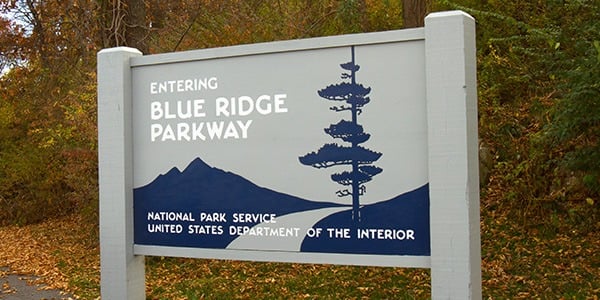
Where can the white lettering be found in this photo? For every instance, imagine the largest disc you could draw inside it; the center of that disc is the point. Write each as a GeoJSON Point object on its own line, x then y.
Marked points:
{"type": "Point", "coordinates": [244, 127]}
{"type": "Point", "coordinates": [168, 113]}
{"type": "Point", "coordinates": [231, 131]}
{"type": "Point", "coordinates": [215, 129]}
{"type": "Point", "coordinates": [183, 130]}
{"type": "Point", "coordinates": [194, 131]}
{"type": "Point", "coordinates": [155, 110]}
{"type": "Point", "coordinates": [185, 110]}
{"type": "Point", "coordinates": [263, 110]}
{"type": "Point", "coordinates": [184, 85]}
{"type": "Point", "coordinates": [170, 216]}
{"type": "Point", "coordinates": [198, 107]}
{"type": "Point", "coordinates": [264, 231]}
{"type": "Point", "coordinates": [165, 228]}
{"type": "Point", "coordinates": [212, 83]}
{"type": "Point", "coordinates": [279, 101]}
{"type": "Point", "coordinates": [221, 107]}
{"type": "Point", "coordinates": [197, 131]}
{"type": "Point", "coordinates": [246, 105]}
{"type": "Point", "coordinates": [212, 217]}
{"type": "Point", "coordinates": [155, 131]}
{"type": "Point", "coordinates": [205, 229]}
{"type": "Point", "coordinates": [253, 218]}
{"type": "Point", "coordinates": [386, 234]}
{"type": "Point", "coordinates": [188, 110]}
{"type": "Point", "coordinates": [168, 134]}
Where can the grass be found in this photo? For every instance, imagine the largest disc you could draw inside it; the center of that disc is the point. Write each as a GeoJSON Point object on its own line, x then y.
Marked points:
{"type": "Point", "coordinates": [212, 279]}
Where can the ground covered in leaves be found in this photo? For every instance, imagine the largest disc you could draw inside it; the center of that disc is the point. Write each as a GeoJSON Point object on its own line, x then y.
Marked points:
{"type": "Point", "coordinates": [519, 261]}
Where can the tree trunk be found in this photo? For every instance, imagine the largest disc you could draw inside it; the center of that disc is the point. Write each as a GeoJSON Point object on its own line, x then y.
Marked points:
{"type": "Point", "coordinates": [38, 34]}
{"type": "Point", "coordinates": [123, 23]}
{"type": "Point", "coordinates": [413, 12]}
{"type": "Point", "coordinates": [136, 31]}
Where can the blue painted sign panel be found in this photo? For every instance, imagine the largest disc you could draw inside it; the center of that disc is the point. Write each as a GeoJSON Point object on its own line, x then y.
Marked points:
{"type": "Point", "coordinates": [316, 151]}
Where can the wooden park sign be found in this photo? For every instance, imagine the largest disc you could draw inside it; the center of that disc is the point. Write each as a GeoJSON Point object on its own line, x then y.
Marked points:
{"type": "Point", "coordinates": [355, 149]}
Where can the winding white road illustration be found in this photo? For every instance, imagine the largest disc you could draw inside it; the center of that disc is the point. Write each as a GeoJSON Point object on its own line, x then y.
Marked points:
{"type": "Point", "coordinates": [291, 231]}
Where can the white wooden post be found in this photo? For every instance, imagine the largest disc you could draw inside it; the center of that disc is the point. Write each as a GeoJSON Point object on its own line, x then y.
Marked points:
{"type": "Point", "coordinates": [453, 160]}
{"type": "Point", "coordinates": [121, 272]}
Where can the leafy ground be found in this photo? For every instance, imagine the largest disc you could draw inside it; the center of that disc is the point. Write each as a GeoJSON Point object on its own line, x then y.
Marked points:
{"type": "Point", "coordinates": [549, 260]}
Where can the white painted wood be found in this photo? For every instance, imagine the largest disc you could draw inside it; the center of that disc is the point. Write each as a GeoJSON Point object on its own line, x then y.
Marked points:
{"type": "Point", "coordinates": [413, 34]}
{"type": "Point", "coordinates": [405, 261]}
{"type": "Point", "coordinates": [453, 171]}
{"type": "Point", "coordinates": [122, 272]}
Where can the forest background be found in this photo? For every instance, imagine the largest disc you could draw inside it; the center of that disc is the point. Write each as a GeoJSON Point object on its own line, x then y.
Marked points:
{"type": "Point", "coordinates": [539, 129]}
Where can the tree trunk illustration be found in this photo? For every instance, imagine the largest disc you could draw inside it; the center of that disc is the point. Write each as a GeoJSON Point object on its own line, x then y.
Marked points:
{"type": "Point", "coordinates": [353, 97]}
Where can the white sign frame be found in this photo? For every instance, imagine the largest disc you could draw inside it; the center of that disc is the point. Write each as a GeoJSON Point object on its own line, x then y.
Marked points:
{"type": "Point", "coordinates": [451, 94]}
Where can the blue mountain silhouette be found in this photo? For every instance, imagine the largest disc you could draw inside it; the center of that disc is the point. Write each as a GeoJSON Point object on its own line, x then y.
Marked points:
{"type": "Point", "coordinates": [202, 188]}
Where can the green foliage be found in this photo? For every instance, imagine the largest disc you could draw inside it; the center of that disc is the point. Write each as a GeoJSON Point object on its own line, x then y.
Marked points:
{"type": "Point", "coordinates": [575, 127]}
{"type": "Point", "coordinates": [539, 112]}
{"type": "Point", "coordinates": [234, 22]}
{"type": "Point", "coordinates": [47, 145]}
